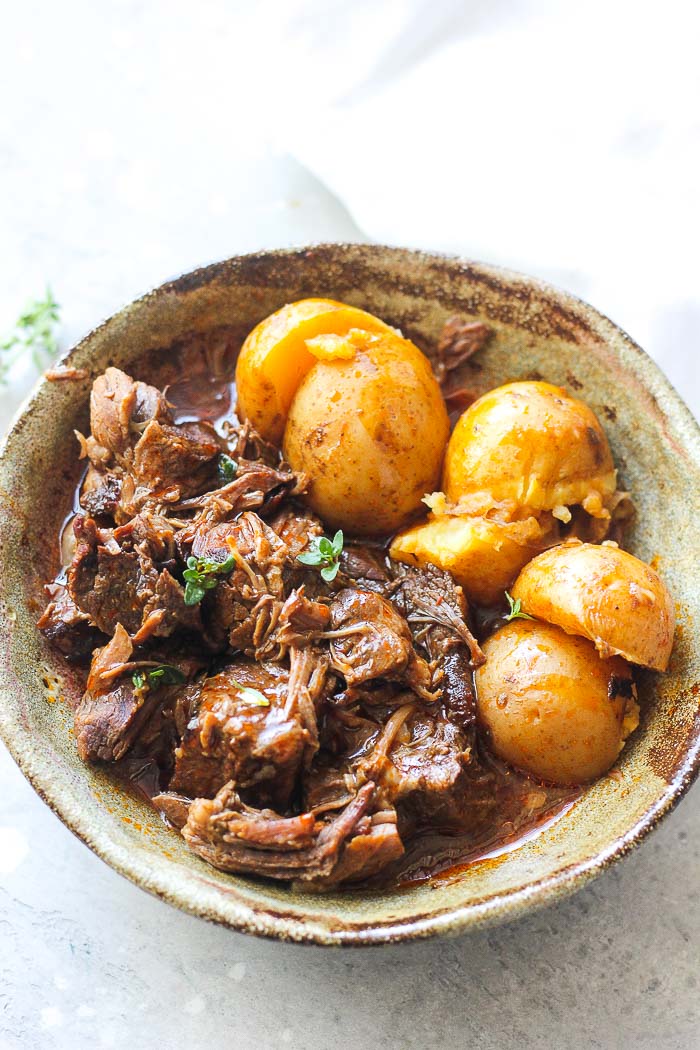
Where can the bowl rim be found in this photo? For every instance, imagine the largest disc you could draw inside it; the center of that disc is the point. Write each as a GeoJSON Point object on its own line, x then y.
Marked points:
{"type": "Point", "coordinates": [165, 882]}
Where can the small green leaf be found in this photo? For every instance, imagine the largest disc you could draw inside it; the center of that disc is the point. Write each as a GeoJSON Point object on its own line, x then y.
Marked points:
{"type": "Point", "coordinates": [226, 468]}
{"type": "Point", "coordinates": [166, 674]}
{"type": "Point", "coordinates": [324, 554]}
{"type": "Point", "coordinates": [163, 674]}
{"type": "Point", "coordinates": [202, 574]}
{"type": "Point", "coordinates": [515, 612]}
{"type": "Point", "coordinates": [34, 333]}
{"type": "Point", "coordinates": [310, 558]}
{"type": "Point", "coordinates": [251, 696]}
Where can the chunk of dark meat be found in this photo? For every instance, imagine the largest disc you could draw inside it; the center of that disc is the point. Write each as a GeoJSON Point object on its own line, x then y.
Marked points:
{"type": "Point", "coordinates": [371, 640]}
{"type": "Point", "coordinates": [101, 493]}
{"type": "Point", "coordinates": [296, 528]}
{"type": "Point", "coordinates": [300, 622]}
{"type": "Point", "coordinates": [119, 410]}
{"type": "Point", "coordinates": [113, 584]}
{"type": "Point", "coordinates": [246, 444]}
{"type": "Point", "coordinates": [66, 627]}
{"type": "Point", "coordinates": [235, 837]}
{"type": "Point", "coordinates": [435, 608]}
{"type": "Point", "coordinates": [460, 340]}
{"type": "Point", "coordinates": [414, 754]}
{"type": "Point", "coordinates": [231, 737]}
{"type": "Point", "coordinates": [366, 565]}
{"type": "Point", "coordinates": [245, 606]}
{"type": "Point", "coordinates": [182, 456]}
{"type": "Point", "coordinates": [255, 487]}
{"type": "Point", "coordinates": [112, 711]}
{"type": "Point", "coordinates": [115, 713]}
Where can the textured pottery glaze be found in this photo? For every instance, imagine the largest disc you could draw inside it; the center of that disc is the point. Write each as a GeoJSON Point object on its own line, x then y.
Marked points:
{"type": "Point", "coordinates": [539, 333]}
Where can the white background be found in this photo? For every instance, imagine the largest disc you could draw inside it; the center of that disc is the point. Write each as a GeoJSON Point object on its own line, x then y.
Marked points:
{"type": "Point", "coordinates": [138, 140]}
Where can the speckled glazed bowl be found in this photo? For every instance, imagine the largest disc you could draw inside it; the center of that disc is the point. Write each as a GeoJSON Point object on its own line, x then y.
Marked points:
{"type": "Point", "coordinates": [540, 332]}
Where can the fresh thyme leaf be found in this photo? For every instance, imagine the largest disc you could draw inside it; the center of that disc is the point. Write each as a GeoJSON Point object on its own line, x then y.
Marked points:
{"type": "Point", "coordinates": [251, 696]}
{"type": "Point", "coordinates": [226, 468]}
{"type": "Point", "coordinates": [202, 574]}
{"type": "Point", "coordinates": [515, 612]}
{"type": "Point", "coordinates": [329, 572]}
{"type": "Point", "coordinates": [325, 555]}
{"type": "Point", "coordinates": [34, 333]}
{"type": "Point", "coordinates": [164, 674]}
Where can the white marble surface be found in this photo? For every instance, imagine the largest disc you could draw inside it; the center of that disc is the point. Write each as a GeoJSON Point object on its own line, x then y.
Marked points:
{"type": "Point", "coordinates": [138, 140]}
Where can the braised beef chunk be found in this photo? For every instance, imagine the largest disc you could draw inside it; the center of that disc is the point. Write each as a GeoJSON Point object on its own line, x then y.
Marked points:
{"type": "Point", "coordinates": [246, 727]}
{"type": "Point", "coordinates": [101, 493]}
{"type": "Point", "coordinates": [288, 725]}
{"type": "Point", "coordinates": [235, 837]}
{"type": "Point", "coordinates": [66, 627]}
{"type": "Point", "coordinates": [371, 640]}
{"type": "Point", "coordinates": [113, 579]}
{"type": "Point", "coordinates": [183, 456]}
{"type": "Point", "coordinates": [119, 410]}
{"type": "Point", "coordinates": [119, 709]}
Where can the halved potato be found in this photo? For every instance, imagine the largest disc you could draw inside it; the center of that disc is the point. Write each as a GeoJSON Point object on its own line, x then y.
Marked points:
{"type": "Point", "coordinates": [484, 556]}
{"type": "Point", "coordinates": [368, 425]}
{"type": "Point", "coordinates": [605, 594]}
{"type": "Point", "coordinates": [529, 447]}
{"type": "Point", "coordinates": [274, 358]}
{"type": "Point", "coordinates": [551, 705]}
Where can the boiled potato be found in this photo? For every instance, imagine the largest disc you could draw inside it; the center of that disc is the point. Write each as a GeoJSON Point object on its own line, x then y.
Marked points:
{"type": "Point", "coordinates": [529, 447]}
{"type": "Point", "coordinates": [274, 358]}
{"type": "Point", "coordinates": [369, 427]}
{"type": "Point", "coordinates": [483, 556]}
{"type": "Point", "coordinates": [604, 594]}
{"type": "Point", "coordinates": [552, 707]}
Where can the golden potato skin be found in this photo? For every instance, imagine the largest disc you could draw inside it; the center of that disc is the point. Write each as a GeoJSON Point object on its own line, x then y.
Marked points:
{"type": "Point", "coordinates": [605, 594]}
{"type": "Point", "coordinates": [484, 556]}
{"type": "Point", "coordinates": [551, 705]}
{"type": "Point", "coordinates": [274, 358]}
{"type": "Point", "coordinates": [528, 447]}
{"type": "Point", "coordinates": [370, 431]}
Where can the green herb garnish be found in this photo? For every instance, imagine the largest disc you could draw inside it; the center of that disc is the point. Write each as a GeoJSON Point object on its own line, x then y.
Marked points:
{"type": "Point", "coordinates": [164, 674]}
{"type": "Point", "coordinates": [201, 575]}
{"type": "Point", "coordinates": [226, 468]}
{"type": "Point", "coordinates": [326, 554]}
{"type": "Point", "coordinates": [251, 696]}
{"type": "Point", "coordinates": [515, 612]}
{"type": "Point", "coordinates": [35, 331]}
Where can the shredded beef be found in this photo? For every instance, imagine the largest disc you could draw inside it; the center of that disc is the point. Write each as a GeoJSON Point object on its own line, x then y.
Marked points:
{"type": "Point", "coordinates": [371, 640]}
{"type": "Point", "coordinates": [459, 341]}
{"type": "Point", "coordinates": [236, 837]}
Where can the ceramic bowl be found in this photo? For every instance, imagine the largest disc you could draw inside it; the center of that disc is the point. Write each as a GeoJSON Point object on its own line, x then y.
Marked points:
{"type": "Point", "coordinates": [539, 333]}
